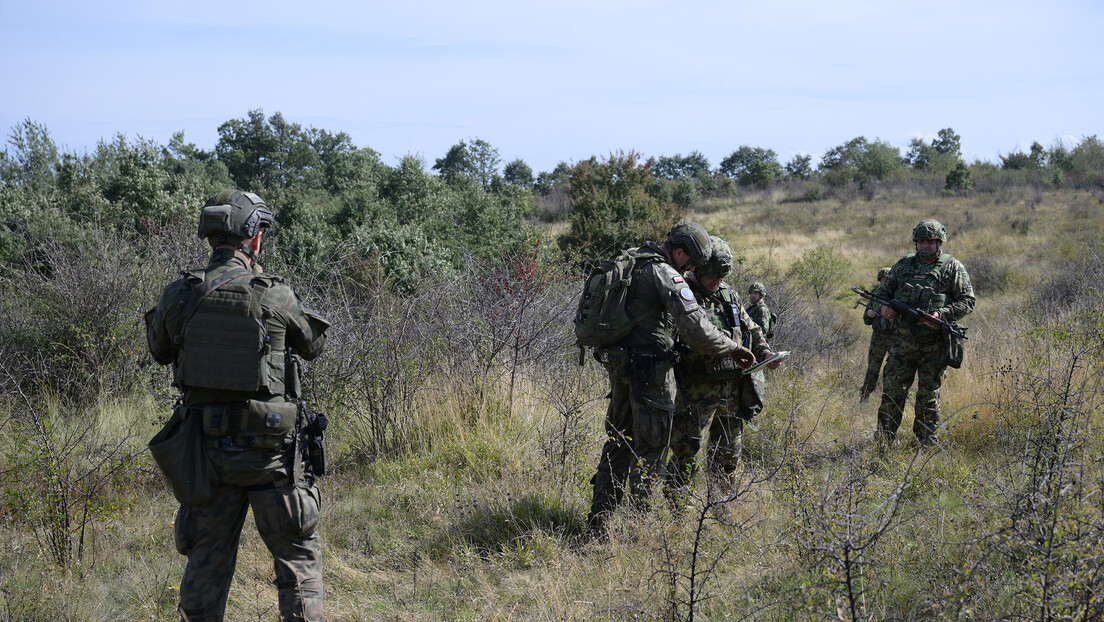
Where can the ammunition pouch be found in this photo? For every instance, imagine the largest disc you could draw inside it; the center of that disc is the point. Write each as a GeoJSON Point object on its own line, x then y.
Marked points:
{"type": "Point", "coordinates": [253, 423]}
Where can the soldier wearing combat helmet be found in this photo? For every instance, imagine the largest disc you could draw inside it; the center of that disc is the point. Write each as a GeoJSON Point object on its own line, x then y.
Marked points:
{"type": "Point", "coordinates": [642, 387]}
{"type": "Point", "coordinates": [937, 284]}
{"type": "Point", "coordinates": [716, 396]}
{"type": "Point", "coordinates": [230, 334]}
{"type": "Point", "coordinates": [881, 337]}
{"type": "Point", "coordinates": [759, 311]}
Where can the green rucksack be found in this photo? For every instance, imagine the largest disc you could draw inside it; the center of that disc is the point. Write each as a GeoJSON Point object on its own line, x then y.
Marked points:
{"type": "Point", "coordinates": [603, 316]}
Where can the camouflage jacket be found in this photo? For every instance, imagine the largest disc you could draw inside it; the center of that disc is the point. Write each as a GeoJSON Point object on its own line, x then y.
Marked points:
{"type": "Point", "coordinates": [286, 322]}
{"type": "Point", "coordinates": [760, 313]}
{"type": "Point", "coordinates": [666, 308]}
{"type": "Point", "coordinates": [723, 308]}
{"type": "Point", "coordinates": [941, 285]}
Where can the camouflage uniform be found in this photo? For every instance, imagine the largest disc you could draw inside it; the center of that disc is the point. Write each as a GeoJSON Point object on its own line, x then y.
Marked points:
{"type": "Point", "coordinates": [715, 394]}
{"type": "Point", "coordinates": [759, 312]}
{"type": "Point", "coordinates": [940, 285]}
{"type": "Point", "coordinates": [254, 470]}
{"type": "Point", "coordinates": [642, 388]}
{"type": "Point", "coordinates": [881, 337]}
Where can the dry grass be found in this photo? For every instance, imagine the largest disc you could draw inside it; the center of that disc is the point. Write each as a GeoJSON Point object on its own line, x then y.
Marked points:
{"type": "Point", "coordinates": [480, 517]}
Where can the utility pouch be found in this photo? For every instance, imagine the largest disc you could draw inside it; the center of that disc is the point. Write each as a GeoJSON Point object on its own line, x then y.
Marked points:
{"type": "Point", "coordinates": [179, 452]}
{"type": "Point", "coordinates": [268, 423]}
{"type": "Point", "coordinates": [649, 370]}
{"type": "Point", "coordinates": [217, 419]}
{"type": "Point", "coordinates": [644, 369]}
{"type": "Point", "coordinates": [955, 352]}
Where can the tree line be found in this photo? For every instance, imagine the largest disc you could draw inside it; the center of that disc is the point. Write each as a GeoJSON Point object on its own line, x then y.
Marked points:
{"type": "Point", "coordinates": [412, 219]}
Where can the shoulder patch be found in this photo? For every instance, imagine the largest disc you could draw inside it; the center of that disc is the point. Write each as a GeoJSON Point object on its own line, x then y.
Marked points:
{"type": "Point", "coordinates": [686, 294]}
{"type": "Point", "coordinates": [679, 279]}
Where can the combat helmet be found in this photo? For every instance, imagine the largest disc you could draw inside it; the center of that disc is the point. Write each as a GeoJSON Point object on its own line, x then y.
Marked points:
{"type": "Point", "coordinates": [757, 286]}
{"type": "Point", "coordinates": [883, 273]}
{"type": "Point", "coordinates": [720, 260]}
{"type": "Point", "coordinates": [692, 238]}
{"type": "Point", "coordinates": [234, 216]}
{"type": "Point", "coordinates": [929, 229]}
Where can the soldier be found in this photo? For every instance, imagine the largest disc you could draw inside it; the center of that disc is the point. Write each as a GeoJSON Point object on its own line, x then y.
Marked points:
{"type": "Point", "coordinates": [938, 284]}
{"type": "Point", "coordinates": [715, 395]}
{"type": "Point", "coordinates": [880, 338]}
{"type": "Point", "coordinates": [229, 332]}
{"type": "Point", "coordinates": [758, 310]}
{"type": "Point", "coordinates": [642, 389]}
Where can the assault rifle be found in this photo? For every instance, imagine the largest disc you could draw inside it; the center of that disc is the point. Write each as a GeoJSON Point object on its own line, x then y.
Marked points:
{"type": "Point", "coordinates": [913, 315]}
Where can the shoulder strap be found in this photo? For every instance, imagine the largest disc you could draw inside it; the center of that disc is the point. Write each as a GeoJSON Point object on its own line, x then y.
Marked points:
{"type": "Point", "coordinates": [198, 295]}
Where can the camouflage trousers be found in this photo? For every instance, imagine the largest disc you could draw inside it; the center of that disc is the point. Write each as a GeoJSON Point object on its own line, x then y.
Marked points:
{"type": "Point", "coordinates": [880, 342]}
{"type": "Point", "coordinates": [286, 513]}
{"type": "Point", "coordinates": [721, 408]}
{"type": "Point", "coordinates": [638, 429]}
{"type": "Point", "coordinates": [910, 358]}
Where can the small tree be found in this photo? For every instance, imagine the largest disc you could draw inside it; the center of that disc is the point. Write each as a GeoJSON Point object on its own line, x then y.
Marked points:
{"type": "Point", "coordinates": [821, 269]}
{"type": "Point", "coordinates": [611, 208]}
{"type": "Point", "coordinates": [959, 179]}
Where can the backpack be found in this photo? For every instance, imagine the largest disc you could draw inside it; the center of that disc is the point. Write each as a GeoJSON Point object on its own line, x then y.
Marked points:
{"type": "Point", "coordinates": [602, 318]}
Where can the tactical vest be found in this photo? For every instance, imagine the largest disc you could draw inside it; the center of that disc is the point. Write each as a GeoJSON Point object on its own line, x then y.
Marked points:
{"type": "Point", "coordinates": [225, 344]}
{"type": "Point", "coordinates": [921, 284]}
{"type": "Point", "coordinates": [722, 312]}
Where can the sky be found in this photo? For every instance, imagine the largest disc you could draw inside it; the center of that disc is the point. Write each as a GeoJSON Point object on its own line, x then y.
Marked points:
{"type": "Point", "coordinates": [561, 81]}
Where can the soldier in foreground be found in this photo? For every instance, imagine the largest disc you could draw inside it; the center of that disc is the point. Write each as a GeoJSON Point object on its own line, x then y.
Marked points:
{"type": "Point", "coordinates": [715, 394]}
{"type": "Point", "coordinates": [758, 310]}
{"type": "Point", "coordinates": [880, 339]}
{"type": "Point", "coordinates": [228, 330]}
{"type": "Point", "coordinates": [642, 388]}
{"type": "Point", "coordinates": [937, 284]}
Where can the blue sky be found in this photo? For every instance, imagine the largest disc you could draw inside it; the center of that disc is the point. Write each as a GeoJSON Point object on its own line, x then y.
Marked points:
{"type": "Point", "coordinates": [565, 80]}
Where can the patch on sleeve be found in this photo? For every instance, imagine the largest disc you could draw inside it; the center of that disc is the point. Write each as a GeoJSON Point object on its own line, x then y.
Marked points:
{"type": "Point", "coordinates": [686, 294]}
{"type": "Point", "coordinates": [678, 279]}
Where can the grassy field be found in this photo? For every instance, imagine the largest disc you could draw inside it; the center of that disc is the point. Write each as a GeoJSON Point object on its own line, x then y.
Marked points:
{"type": "Point", "coordinates": [479, 514]}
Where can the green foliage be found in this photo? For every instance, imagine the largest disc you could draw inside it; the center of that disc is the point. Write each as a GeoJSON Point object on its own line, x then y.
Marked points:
{"type": "Point", "coordinates": [695, 165]}
{"type": "Point", "coordinates": [1087, 159]}
{"type": "Point", "coordinates": [611, 208]}
{"type": "Point", "coordinates": [476, 162]}
{"type": "Point", "coordinates": [547, 181]}
{"type": "Point", "coordinates": [518, 173]}
{"type": "Point", "coordinates": [33, 160]}
{"type": "Point", "coordinates": [267, 155]}
{"type": "Point", "coordinates": [800, 167]}
{"type": "Point", "coordinates": [752, 166]}
{"type": "Point", "coordinates": [959, 180]}
{"type": "Point", "coordinates": [822, 270]}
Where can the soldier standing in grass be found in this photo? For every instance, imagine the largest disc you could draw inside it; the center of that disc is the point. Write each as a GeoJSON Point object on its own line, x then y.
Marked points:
{"type": "Point", "coordinates": [642, 388]}
{"type": "Point", "coordinates": [880, 339]}
{"type": "Point", "coordinates": [227, 330]}
{"type": "Point", "coordinates": [758, 310]}
{"type": "Point", "coordinates": [938, 284]}
{"type": "Point", "coordinates": [716, 396]}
